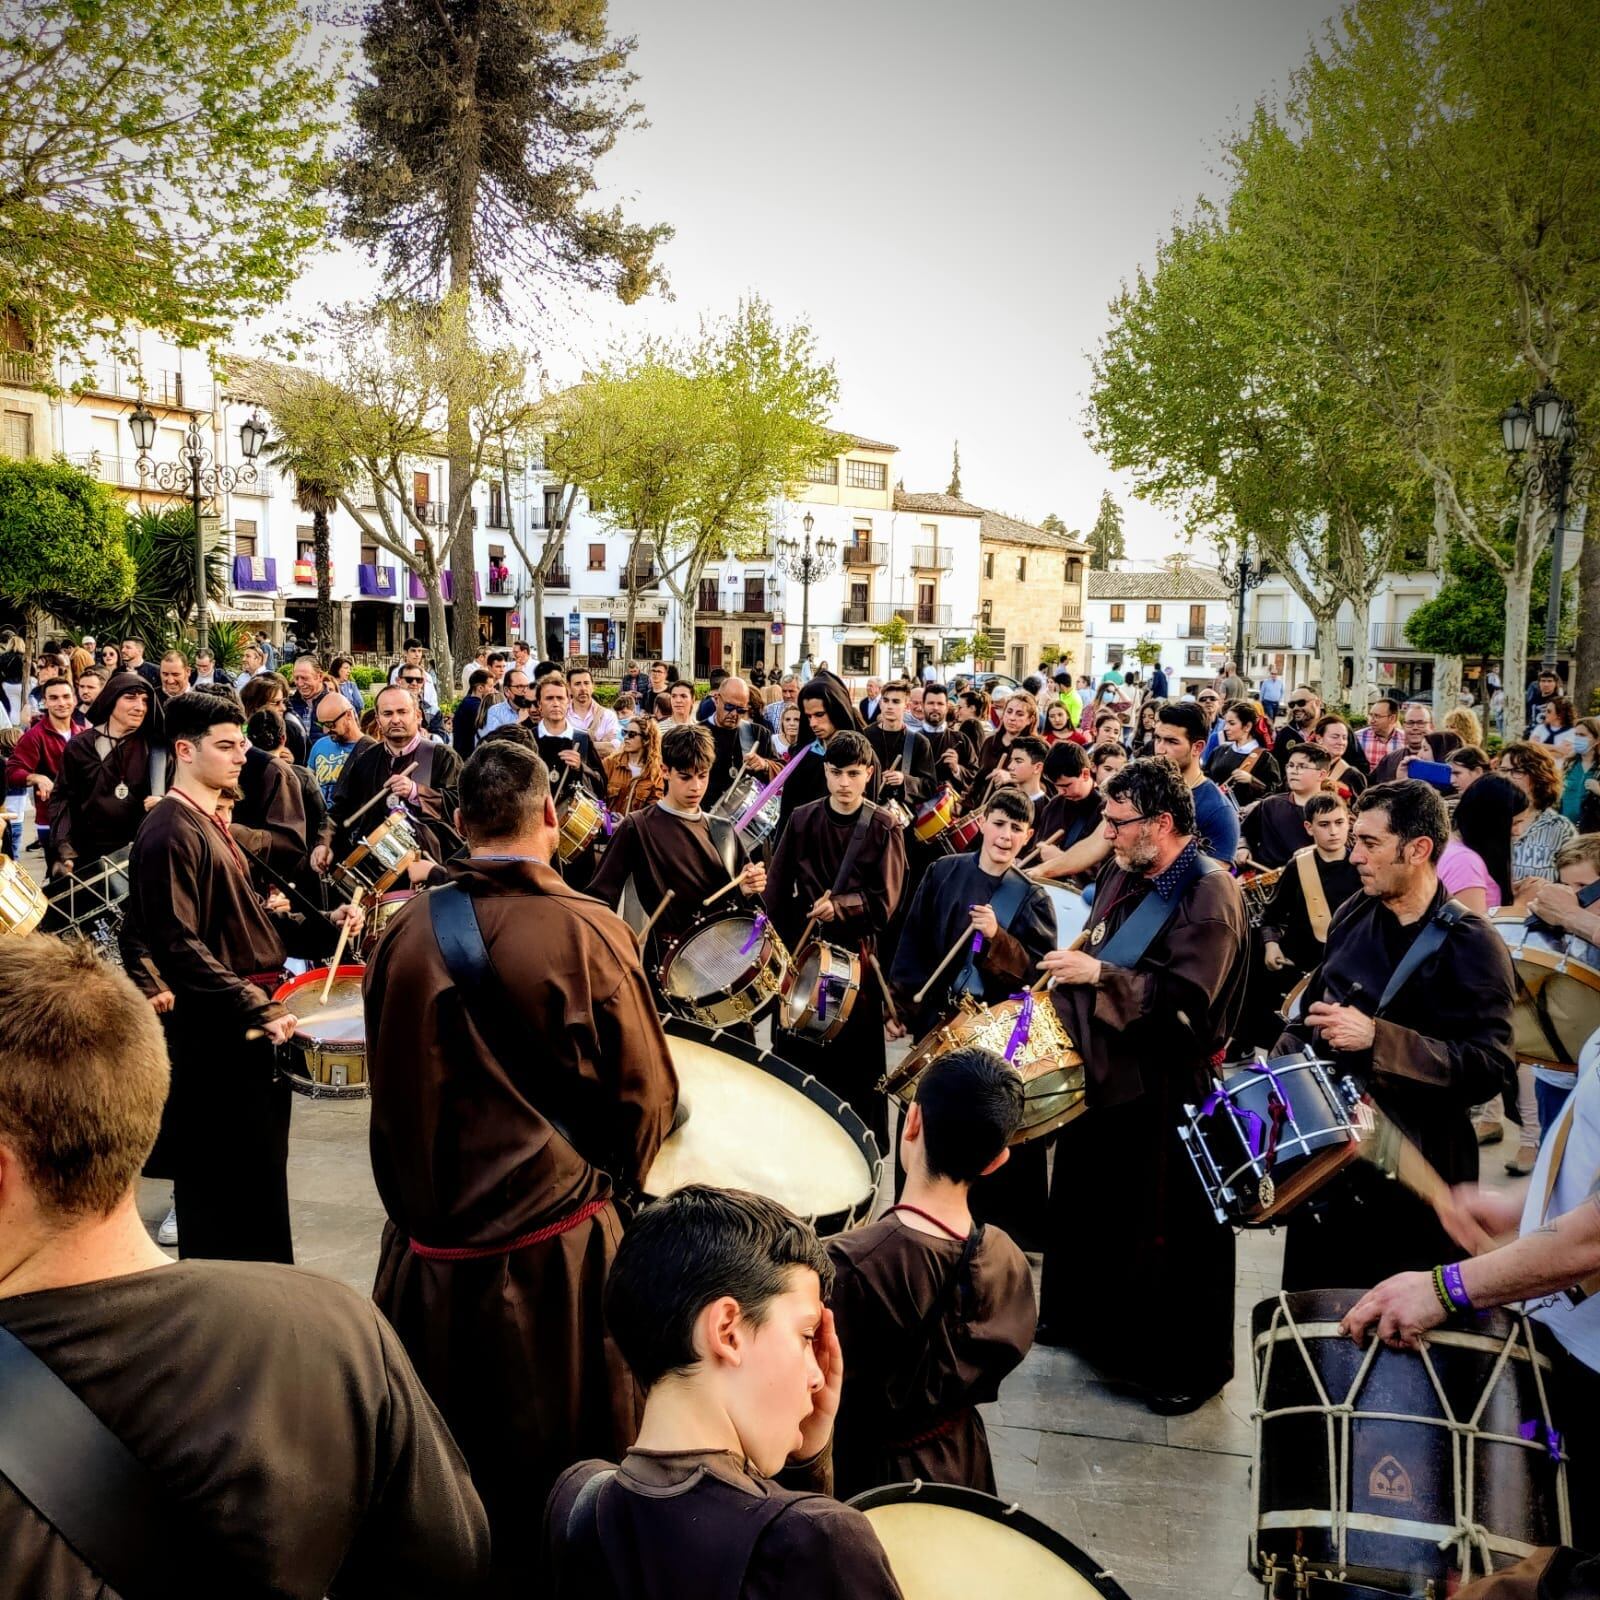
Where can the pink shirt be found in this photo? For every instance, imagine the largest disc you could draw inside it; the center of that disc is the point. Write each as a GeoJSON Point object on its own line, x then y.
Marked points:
{"type": "Point", "coordinates": [1461, 867]}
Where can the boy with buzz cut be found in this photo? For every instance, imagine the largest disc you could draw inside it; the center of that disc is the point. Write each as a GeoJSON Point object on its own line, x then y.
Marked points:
{"type": "Point", "coordinates": [934, 1308]}
{"type": "Point", "coordinates": [715, 1300]}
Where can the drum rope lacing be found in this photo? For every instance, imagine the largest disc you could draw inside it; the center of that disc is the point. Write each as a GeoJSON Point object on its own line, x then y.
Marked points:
{"type": "Point", "coordinates": [1468, 1536]}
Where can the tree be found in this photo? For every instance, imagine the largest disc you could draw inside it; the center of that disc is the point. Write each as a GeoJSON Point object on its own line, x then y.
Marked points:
{"type": "Point", "coordinates": [893, 633]}
{"type": "Point", "coordinates": [1147, 652]}
{"type": "Point", "coordinates": [316, 492]}
{"type": "Point", "coordinates": [1051, 523]}
{"type": "Point", "coordinates": [1106, 542]}
{"type": "Point", "coordinates": [158, 164]}
{"type": "Point", "coordinates": [954, 488]}
{"type": "Point", "coordinates": [61, 539]}
{"type": "Point", "coordinates": [478, 128]}
{"type": "Point", "coordinates": [1466, 617]}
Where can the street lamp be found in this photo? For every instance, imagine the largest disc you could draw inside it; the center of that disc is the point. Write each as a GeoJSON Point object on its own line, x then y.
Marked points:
{"type": "Point", "coordinates": [807, 566]}
{"type": "Point", "coordinates": [197, 471]}
{"type": "Point", "coordinates": [1246, 574]}
{"type": "Point", "coordinates": [1540, 440]}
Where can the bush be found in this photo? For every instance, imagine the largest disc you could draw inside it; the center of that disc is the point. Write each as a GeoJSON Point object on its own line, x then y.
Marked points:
{"type": "Point", "coordinates": [606, 693]}
{"type": "Point", "coordinates": [365, 677]}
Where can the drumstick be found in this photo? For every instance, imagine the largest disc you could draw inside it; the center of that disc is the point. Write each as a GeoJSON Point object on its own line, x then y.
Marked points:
{"type": "Point", "coordinates": [1038, 849]}
{"type": "Point", "coordinates": [363, 809]}
{"type": "Point", "coordinates": [338, 949]}
{"type": "Point", "coordinates": [883, 983]}
{"type": "Point", "coordinates": [1394, 1154]}
{"type": "Point", "coordinates": [566, 772]}
{"type": "Point", "coordinates": [955, 950]}
{"type": "Point", "coordinates": [717, 894]}
{"type": "Point", "coordinates": [666, 900]}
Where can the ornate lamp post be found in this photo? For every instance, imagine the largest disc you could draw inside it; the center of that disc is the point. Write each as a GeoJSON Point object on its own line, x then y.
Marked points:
{"type": "Point", "coordinates": [204, 477]}
{"type": "Point", "coordinates": [807, 566]}
{"type": "Point", "coordinates": [1540, 439]}
{"type": "Point", "coordinates": [1246, 574]}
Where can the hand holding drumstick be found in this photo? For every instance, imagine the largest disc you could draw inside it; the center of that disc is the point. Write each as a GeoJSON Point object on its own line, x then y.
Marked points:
{"type": "Point", "coordinates": [824, 909]}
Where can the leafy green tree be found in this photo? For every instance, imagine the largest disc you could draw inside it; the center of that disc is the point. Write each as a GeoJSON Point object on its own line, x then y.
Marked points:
{"type": "Point", "coordinates": [61, 540]}
{"type": "Point", "coordinates": [479, 125]}
{"type": "Point", "coordinates": [1106, 541]}
{"type": "Point", "coordinates": [1147, 652]}
{"type": "Point", "coordinates": [158, 164]}
{"type": "Point", "coordinates": [1051, 523]}
{"type": "Point", "coordinates": [1467, 616]}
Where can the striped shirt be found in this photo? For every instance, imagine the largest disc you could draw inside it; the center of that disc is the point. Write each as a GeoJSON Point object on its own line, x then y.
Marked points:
{"type": "Point", "coordinates": [1533, 855]}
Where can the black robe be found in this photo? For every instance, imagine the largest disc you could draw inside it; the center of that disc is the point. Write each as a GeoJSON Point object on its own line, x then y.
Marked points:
{"type": "Point", "coordinates": [193, 914]}
{"type": "Point", "coordinates": [733, 745]}
{"type": "Point", "coordinates": [591, 772]}
{"type": "Point", "coordinates": [920, 778]}
{"type": "Point", "coordinates": [948, 738]}
{"type": "Point", "coordinates": [1287, 923]}
{"type": "Point", "coordinates": [88, 817]}
{"type": "Point", "coordinates": [1442, 1046]}
{"type": "Point", "coordinates": [430, 813]}
{"type": "Point", "coordinates": [274, 804]}
{"type": "Point", "coordinates": [1074, 820]}
{"type": "Point", "coordinates": [1132, 1235]}
{"type": "Point", "coordinates": [1274, 829]}
{"type": "Point", "coordinates": [808, 857]}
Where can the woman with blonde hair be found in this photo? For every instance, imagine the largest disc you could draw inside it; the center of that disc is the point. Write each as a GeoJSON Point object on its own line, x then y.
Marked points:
{"type": "Point", "coordinates": [1464, 725]}
{"type": "Point", "coordinates": [634, 775]}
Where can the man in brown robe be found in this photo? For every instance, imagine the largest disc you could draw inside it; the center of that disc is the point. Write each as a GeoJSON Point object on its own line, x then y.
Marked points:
{"type": "Point", "coordinates": [932, 1308]}
{"type": "Point", "coordinates": [675, 847]}
{"type": "Point", "coordinates": [100, 796]}
{"type": "Point", "coordinates": [909, 753]}
{"type": "Point", "coordinates": [292, 1450]}
{"type": "Point", "coordinates": [1138, 1274]}
{"type": "Point", "coordinates": [716, 1302]}
{"type": "Point", "coordinates": [426, 797]}
{"type": "Point", "coordinates": [502, 1224]}
{"type": "Point", "coordinates": [952, 754]}
{"type": "Point", "coordinates": [194, 928]}
{"type": "Point", "coordinates": [847, 896]}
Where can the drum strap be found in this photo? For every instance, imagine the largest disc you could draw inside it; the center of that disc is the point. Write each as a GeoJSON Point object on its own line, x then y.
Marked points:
{"type": "Point", "coordinates": [1315, 896]}
{"type": "Point", "coordinates": [1006, 902]}
{"type": "Point", "coordinates": [858, 837]}
{"type": "Point", "coordinates": [1424, 947]}
{"type": "Point", "coordinates": [102, 1500]}
{"type": "Point", "coordinates": [1127, 946]}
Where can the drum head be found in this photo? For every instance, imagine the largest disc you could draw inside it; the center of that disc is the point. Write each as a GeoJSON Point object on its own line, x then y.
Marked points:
{"type": "Point", "coordinates": [338, 1020]}
{"type": "Point", "coordinates": [712, 959]}
{"type": "Point", "coordinates": [757, 1123]}
{"type": "Point", "coordinates": [949, 1543]}
{"type": "Point", "coordinates": [1072, 911]}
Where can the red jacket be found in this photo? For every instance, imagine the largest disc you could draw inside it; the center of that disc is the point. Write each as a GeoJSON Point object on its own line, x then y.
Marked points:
{"type": "Point", "coordinates": [39, 750]}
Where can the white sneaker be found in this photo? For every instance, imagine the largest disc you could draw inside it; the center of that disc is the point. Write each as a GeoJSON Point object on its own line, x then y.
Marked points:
{"type": "Point", "coordinates": [167, 1233]}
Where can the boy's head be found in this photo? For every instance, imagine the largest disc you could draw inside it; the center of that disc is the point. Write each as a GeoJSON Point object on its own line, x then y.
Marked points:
{"type": "Point", "coordinates": [1007, 826]}
{"type": "Point", "coordinates": [959, 1127]}
{"type": "Point", "coordinates": [722, 1291]}
{"type": "Point", "coordinates": [687, 750]}
{"type": "Point", "coordinates": [1328, 822]}
{"type": "Point", "coordinates": [847, 764]}
{"type": "Point", "coordinates": [1578, 861]}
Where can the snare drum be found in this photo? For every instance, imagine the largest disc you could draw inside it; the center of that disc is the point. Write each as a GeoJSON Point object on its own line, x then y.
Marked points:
{"type": "Point", "coordinates": [1409, 1470]}
{"type": "Point", "coordinates": [1271, 1133]}
{"type": "Point", "coordinates": [947, 1542]}
{"type": "Point", "coordinates": [1027, 1031]}
{"type": "Point", "coordinates": [1072, 910]}
{"type": "Point", "coordinates": [582, 817]}
{"type": "Point", "coordinates": [755, 1122]}
{"type": "Point", "coordinates": [735, 807]}
{"type": "Point", "coordinates": [380, 859]}
{"type": "Point", "coordinates": [1558, 996]}
{"type": "Point", "coordinates": [723, 972]}
{"type": "Point", "coordinates": [938, 826]}
{"type": "Point", "coordinates": [331, 1038]}
{"type": "Point", "coordinates": [22, 901]}
{"type": "Point", "coordinates": [819, 991]}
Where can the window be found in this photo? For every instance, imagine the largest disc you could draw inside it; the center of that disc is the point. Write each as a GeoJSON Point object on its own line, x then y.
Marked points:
{"type": "Point", "coordinates": [707, 599]}
{"type": "Point", "coordinates": [369, 555]}
{"type": "Point", "coordinates": [1022, 569]}
{"type": "Point", "coordinates": [1074, 570]}
{"type": "Point", "coordinates": [497, 505]}
{"type": "Point", "coordinates": [987, 612]}
{"type": "Point", "coordinates": [866, 474]}
{"type": "Point", "coordinates": [1194, 655]}
{"type": "Point", "coordinates": [421, 488]}
{"type": "Point", "coordinates": [1119, 613]}
{"type": "Point", "coordinates": [597, 558]}
{"type": "Point", "coordinates": [988, 564]}
{"type": "Point", "coordinates": [1197, 622]}
{"type": "Point", "coordinates": [305, 543]}
{"type": "Point", "coordinates": [244, 538]}
{"type": "Point", "coordinates": [552, 507]}
{"type": "Point", "coordinates": [1152, 613]}
{"type": "Point", "coordinates": [857, 657]}
{"type": "Point", "coordinates": [17, 439]}
{"type": "Point", "coordinates": [823, 471]}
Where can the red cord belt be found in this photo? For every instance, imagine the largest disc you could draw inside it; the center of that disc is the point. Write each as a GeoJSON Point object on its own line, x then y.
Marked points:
{"type": "Point", "coordinates": [938, 1431]}
{"type": "Point", "coordinates": [483, 1252]}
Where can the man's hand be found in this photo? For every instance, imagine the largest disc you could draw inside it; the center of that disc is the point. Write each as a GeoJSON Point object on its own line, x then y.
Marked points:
{"type": "Point", "coordinates": [418, 870]}
{"type": "Point", "coordinates": [823, 910]}
{"type": "Point", "coordinates": [284, 754]}
{"type": "Point", "coordinates": [1344, 1027]}
{"type": "Point", "coordinates": [572, 758]}
{"type": "Point", "coordinates": [1400, 1310]}
{"type": "Point", "coordinates": [1555, 902]}
{"type": "Point", "coordinates": [894, 1029]}
{"type": "Point", "coordinates": [754, 760]}
{"type": "Point", "coordinates": [1242, 854]}
{"type": "Point", "coordinates": [352, 915]}
{"type": "Point", "coordinates": [1072, 966]}
{"type": "Point", "coordinates": [280, 1030]}
{"type": "Point", "coordinates": [278, 901]}
{"type": "Point", "coordinates": [401, 787]}
{"type": "Point", "coordinates": [892, 780]}
{"type": "Point", "coordinates": [163, 1002]}
{"type": "Point", "coordinates": [817, 1429]}
{"type": "Point", "coordinates": [321, 857]}
{"type": "Point", "coordinates": [65, 867]}
{"type": "Point", "coordinates": [1477, 1219]}
{"type": "Point", "coordinates": [1275, 958]}
{"type": "Point", "coordinates": [753, 880]}
{"type": "Point", "coordinates": [982, 919]}
{"type": "Point", "coordinates": [1050, 852]}
{"type": "Point", "coordinates": [1523, 890]}
{"type": "Point", "coordinates": [43, 788]}
{"type": "Point", "coordinates": [952, 759]}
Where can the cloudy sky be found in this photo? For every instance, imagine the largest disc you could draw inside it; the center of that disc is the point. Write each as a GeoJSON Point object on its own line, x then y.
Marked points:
{"type": "Point", "coordinates": [949, 192]}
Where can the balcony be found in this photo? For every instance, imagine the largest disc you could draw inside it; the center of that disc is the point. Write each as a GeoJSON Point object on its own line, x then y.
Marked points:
{"type": "Point", "coordinates": [863, 553]}
{"type": "Point", "coordinates": [876, 612]}
{"type": "Point", "coordinates": [154, 388]}
{"type": "Point", "coordinates": [1274, 635]}
{"type": "Point", "coordinates": [1071, 617]}
{"type": "Point", "coordinates": [430, 513]}
{"type": "Point", "coordinates": [646, 575]}
{"type": "Point", "coordinates": [926, 616]}
{"type": "Point", "coordinates": [499, 581]}
{"type": "Point", "coordinates": [932, 557]}
{"type": "Point", "coordinates": [558, 577]}
{"type": "Point", "coordinates": [19, 367]}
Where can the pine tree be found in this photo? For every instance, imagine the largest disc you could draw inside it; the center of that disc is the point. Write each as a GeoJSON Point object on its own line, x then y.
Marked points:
{"type": "Point", "coordinates": [955, 473]}
{"type": "Point", "coordinates": [1106, 543]}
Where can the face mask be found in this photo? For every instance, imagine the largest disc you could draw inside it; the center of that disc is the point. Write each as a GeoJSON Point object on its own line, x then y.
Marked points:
{"type": "Point", "coordinates": [1580, 743]}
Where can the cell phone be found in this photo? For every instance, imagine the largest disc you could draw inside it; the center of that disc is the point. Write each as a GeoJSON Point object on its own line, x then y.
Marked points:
{"type": "Point", "coordinates": [1434, 772]}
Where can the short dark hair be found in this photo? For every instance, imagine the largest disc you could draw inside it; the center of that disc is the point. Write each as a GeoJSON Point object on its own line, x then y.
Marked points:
{"type": "Point", "coordinates": [847, 748]}
{"type": "Point", "coordinates": [514, 732]}
{"type": "Point", "coordinates": [1034, 749]}
{"type": "Point", "coordinates": [1483, 818]}
{"type": "Point", "coordinates": [411, 644]}
{"type": "Point", "coordinates": [1008, 798]}
{"type": "Point", "coordinates": [581, 670]}
{"type": "Point", "coordinates": [934, 688]}
{"type": "Point", "coordinates": [480, 675]}
{"type": "Point", "coordinates": [1326, 800]}
{"type": "Point", "coordinates": [503, 788]}
{"type": "Point", "coordinates": [1152, 785]}
{"type": "Point", "coordinates": [688, 747]}
{"type": "Point", "coordinates": [716, 676]}
{"type": "Point", "coordinates": [266, 731]}
{"type": "Point", "coordinates": [192, 715]}
{"type": "Point", "coordinates": [972, 1103]}
{"type": "Point", "coordinates": [1105, 717]}
{"type": "Point", "coordinates": [1470, 757]}
{"type": "Point", "coordinates": [693, 1247]}
{"type": "Point", "coordinates": [1314, 753]}
{"type": "Point", "coordinates": [1065, 760]}
{"type": "Point", "coordinates": [895, 686]}
{"type": "Point", "coordinates": [1414, 811]}
{"type": "Point", "coordinates": [1186, 716]}
{"type": "Point", "coordinates": [1385, 700]}
{"type": "Point", "coordinates": [974, 699]}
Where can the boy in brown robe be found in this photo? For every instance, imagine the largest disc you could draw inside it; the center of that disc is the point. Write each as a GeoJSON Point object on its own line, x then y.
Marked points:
{"type": "Point", "coordinates": [716, 1301]}
{"type": "Point", "coordinates": [932, 1309]}
{"type": "Point", "coordinates": [503, 1124]}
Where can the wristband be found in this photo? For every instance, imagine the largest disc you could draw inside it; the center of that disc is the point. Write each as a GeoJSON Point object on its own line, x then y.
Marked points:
{"type": "Point", "coordinates": [1453, 1286]}
{"type": "Point", "coordinates": [1437, 1278]}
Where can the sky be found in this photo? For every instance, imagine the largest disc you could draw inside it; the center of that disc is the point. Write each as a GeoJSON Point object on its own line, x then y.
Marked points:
{"type": "Point", "coordinates": [949, 193]}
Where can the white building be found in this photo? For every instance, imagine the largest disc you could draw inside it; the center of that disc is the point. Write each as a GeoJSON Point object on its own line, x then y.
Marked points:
{"type": "Point", "coordinates": [1184, 609]}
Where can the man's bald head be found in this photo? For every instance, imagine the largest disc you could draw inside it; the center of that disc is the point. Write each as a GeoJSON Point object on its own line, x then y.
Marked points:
{"type": "Point", "coordinates": [731, 701]}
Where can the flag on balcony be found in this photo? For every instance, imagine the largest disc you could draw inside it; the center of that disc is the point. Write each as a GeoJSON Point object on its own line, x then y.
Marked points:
{"type": "Point", "coordinates": [376, 581]}
{"type": "Point", "coordinates": [256, 573]}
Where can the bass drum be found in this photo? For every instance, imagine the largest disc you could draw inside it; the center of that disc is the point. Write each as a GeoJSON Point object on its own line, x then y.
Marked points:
{"type": "Point", "coordinates": [1558, 996]}
{"type": "Point", "coordinates": [755, 1122]}
{"type": "Point", "coordinates": [945, 1542]}
{"type": "Point", "coordinates": [1072, 911]}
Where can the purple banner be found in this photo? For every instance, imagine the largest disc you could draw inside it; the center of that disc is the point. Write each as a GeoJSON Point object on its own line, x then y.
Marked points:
{"type": "Point", "coordinates": [447, 584]}
{"type": "Point", "coordinates": [378, 582]}
{"type": "Point", "coordinates": [256, 573]}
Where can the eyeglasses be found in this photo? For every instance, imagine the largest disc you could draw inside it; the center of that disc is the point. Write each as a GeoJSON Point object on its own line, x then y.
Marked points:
{"type": "Point", "coordinates": [632, 733]}
{"type": "Point", "coordinates": [334, 724]}
{"type": "Point", "coordinates": [414, 681]}
{"type": "Point", "coordinates": [1117, 826]}
{"type": "Point", "coordinates": [1298, 705]}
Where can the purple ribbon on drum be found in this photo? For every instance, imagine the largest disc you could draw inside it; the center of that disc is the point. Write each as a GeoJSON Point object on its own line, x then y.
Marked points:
{"type": "Point", "coordinates": [1022, 1027]}
{"type": "Point", "coordinates": [756, 931]}
{"type": "Point", "coordinates": [1255, 1125]}
{"type": "Point", "coordinates": [1542, 1433]}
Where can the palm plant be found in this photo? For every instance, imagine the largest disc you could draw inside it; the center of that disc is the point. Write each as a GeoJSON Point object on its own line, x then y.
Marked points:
{"type": "Point", "coordinates": [316, 492]}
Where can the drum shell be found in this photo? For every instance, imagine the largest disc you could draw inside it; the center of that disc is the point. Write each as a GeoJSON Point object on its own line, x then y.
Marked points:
{"type": "Point", "coordinates": [750, 990]}
{"type": "Point", "coordinates": [582, 818]}
{"type": "Point", "coordinates": [331, 1068]}
{"type": "Point", "coordinates": [1399, 1471]}
{"type": "Point", "coordinates": [1558, 996]}
{"type": "Point", "coordinates": [1072, 910]}
{"type": "Point", "coordinates": [22, 901]}
{"type": "Point", "coordinates": [820, 990]}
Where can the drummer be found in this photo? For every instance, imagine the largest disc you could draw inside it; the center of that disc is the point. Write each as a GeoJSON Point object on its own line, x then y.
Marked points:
{"type": "Point", "coordinates": [502, 1126]}
{"type": "Point", "coordinates": [743, 741]}
{"type": "Point", "coordinates": [425, 794]}
{"type": "Point", "coordinates": [952, 754]}
{"type": "Point", "coordinates": [910, 755]}
{"type": "Point", "coordinates": [1071, 817]}
{"type": "Point", "coordinates": [1441, 1045]}
{"type": "Point", "coordinates": [676, 846]}
{"type": "Point", "coordinates": [715, 1302]}
{"type": "Point", "coordinates": [1577, 928]}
